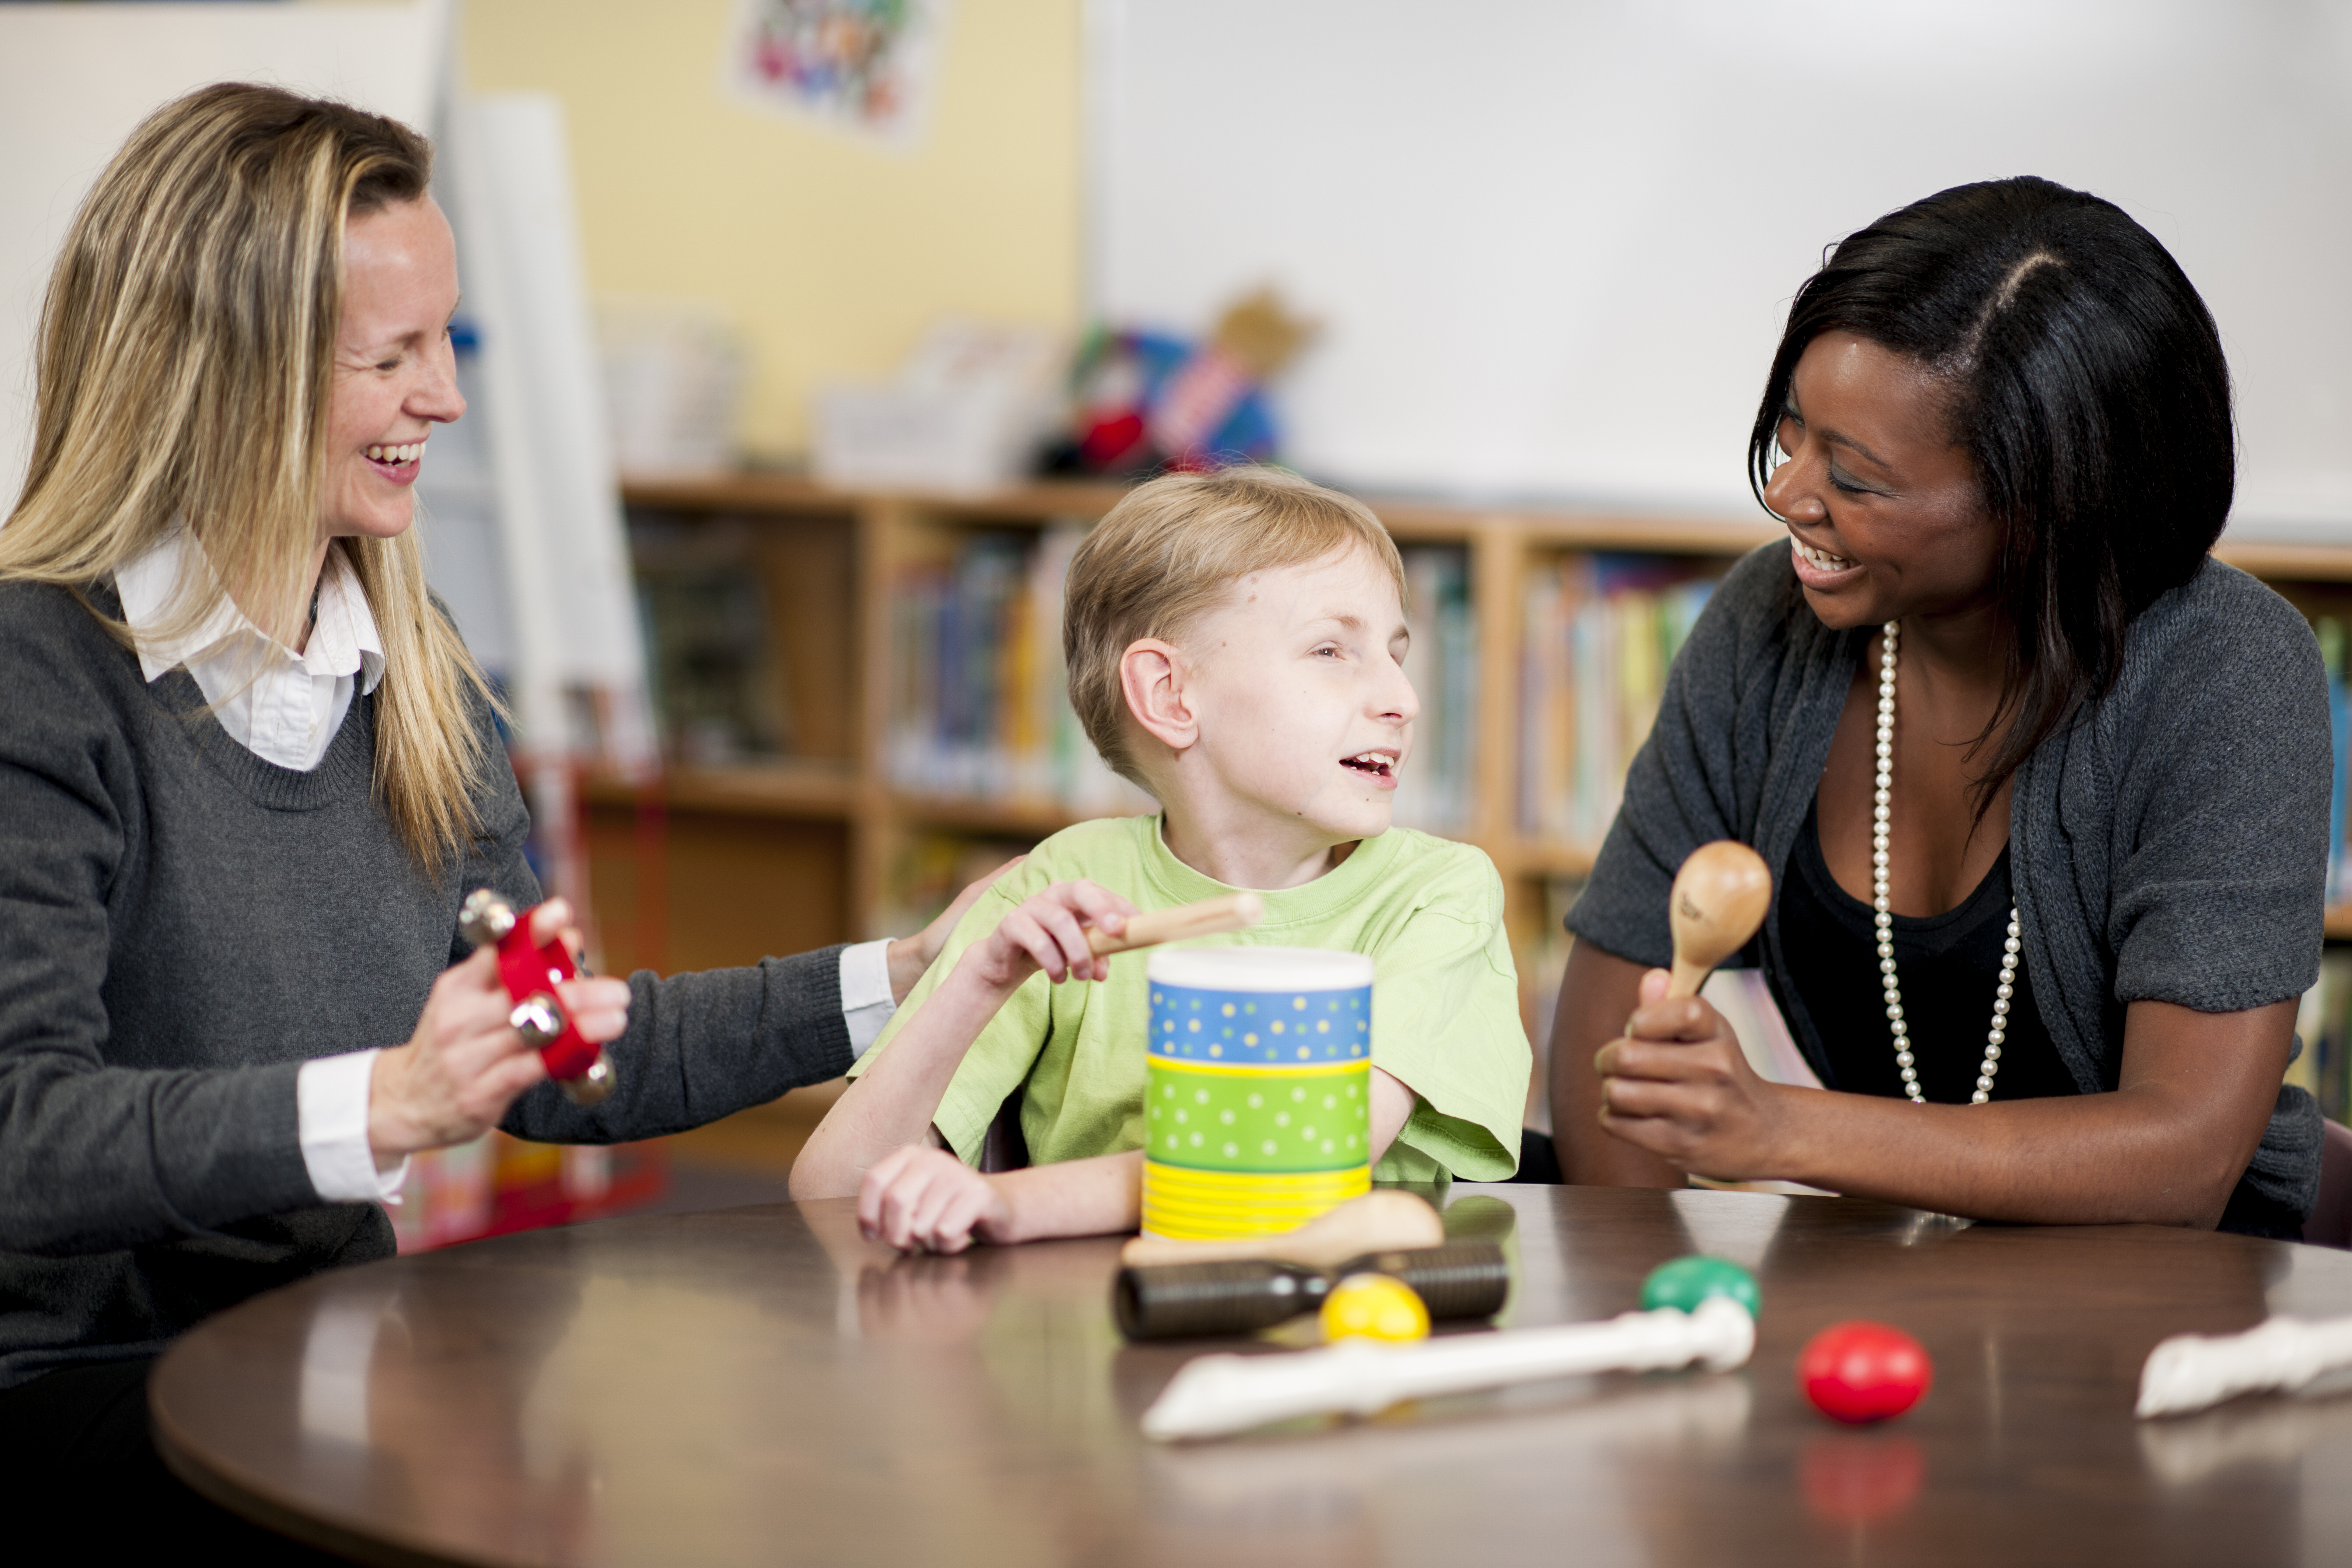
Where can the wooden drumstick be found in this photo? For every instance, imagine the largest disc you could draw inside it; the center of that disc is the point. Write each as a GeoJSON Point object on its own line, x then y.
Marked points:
{"type": "Point", "coordinates": [1380, 1221]}
{"type": "Point", "coordinates": [1212, 1395]}
{"type": "Point", "coordinates": [1235, 911]}
{"type": "Point", "coordinates": [1720, 899]}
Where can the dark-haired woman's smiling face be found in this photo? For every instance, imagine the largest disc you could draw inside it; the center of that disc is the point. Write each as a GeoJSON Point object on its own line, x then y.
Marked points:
{"type": "Point", "coordinates": [1883, 506]}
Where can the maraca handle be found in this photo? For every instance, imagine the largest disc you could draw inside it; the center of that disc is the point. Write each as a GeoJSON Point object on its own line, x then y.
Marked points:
{"type": "Point", "coordinates": [1686, 980]}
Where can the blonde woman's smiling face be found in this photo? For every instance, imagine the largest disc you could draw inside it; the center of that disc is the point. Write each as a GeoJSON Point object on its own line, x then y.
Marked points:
{"type": "Point", "coordinates": [395, 371]}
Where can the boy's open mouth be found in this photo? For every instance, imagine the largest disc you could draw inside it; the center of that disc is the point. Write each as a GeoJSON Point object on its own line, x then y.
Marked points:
{"type": "Point", "coordinates": [1380, 764]}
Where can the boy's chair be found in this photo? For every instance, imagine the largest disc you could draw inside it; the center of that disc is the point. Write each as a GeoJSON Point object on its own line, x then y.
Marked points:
{"type": "Point", "coordinates": [1006, 1148]}
{"type": "Point", "coordinates": [2330, 1223]}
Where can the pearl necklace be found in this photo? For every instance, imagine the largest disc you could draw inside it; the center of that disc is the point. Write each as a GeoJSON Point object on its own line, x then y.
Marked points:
{"type": "Point", "coordinates": [1883, 915]}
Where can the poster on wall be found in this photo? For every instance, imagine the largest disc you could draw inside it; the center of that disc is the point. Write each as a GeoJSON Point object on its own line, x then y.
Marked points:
{"type": "Point", "coordinates": [864, 68]}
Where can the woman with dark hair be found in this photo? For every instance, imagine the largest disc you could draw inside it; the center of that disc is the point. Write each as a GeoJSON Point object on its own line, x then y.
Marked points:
{"type": "Point", "coordinates": [2043, 787]}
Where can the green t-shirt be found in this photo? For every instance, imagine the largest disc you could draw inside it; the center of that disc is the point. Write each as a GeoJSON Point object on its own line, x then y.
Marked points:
{"type": "Point", "coordinates": [1445, 999]}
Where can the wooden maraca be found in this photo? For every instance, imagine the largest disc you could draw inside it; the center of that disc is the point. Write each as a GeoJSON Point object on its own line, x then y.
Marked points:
{"type": "Point", "coordinates": [1718, 901]}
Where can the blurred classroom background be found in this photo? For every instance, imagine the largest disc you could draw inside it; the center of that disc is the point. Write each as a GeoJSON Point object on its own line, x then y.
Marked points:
{"type": "Point", "coordinates": [806, 338]}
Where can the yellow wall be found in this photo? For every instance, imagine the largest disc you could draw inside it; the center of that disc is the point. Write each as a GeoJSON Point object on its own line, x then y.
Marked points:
{"type": "Point", "coordinates": [832, 254]}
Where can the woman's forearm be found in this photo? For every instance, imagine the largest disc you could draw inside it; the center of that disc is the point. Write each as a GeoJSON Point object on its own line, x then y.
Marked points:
{"type": "Point", "coordinates": [893, 1102]}
{"type": "Point", "coordinates": [2166, 1146]}
{"type": "Point", "coordinates": [2077, 1160]}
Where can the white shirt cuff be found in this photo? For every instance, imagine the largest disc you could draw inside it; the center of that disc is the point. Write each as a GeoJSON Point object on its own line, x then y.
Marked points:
{"type": "Point", "coordinates": [866, 1001]}
{"type": "Point", "coordinates": [330, 1113]}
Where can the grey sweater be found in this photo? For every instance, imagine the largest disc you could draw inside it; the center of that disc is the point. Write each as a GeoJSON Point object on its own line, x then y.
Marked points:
{"type": "Point", "coordinates": [2172, 845]}
{"type": "Point", "coordinates": [181, 925]}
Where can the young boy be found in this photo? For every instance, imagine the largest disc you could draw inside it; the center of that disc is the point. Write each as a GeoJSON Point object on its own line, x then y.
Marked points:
{"type": "Point", "coordinates": [1234, 643]}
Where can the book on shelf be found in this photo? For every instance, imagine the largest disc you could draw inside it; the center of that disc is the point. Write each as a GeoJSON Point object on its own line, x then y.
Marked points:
{"type": "Point", "coordinates": [1601, 632]}
{"type": "Point", "coordinates": [1442, 662]}
{"type": "Point", "coordinates": [718, 692]}
{"type": "Point", "coordinates": [2322, 1021]}
{"type": "Point", "coordinates": [979, 692]}
{"type": "Point", "coordinates": [2331, 653]}
{"type": "Point", "coordinates": [979, 706]}
{"type": "Point", "coordinates": [932, 868]}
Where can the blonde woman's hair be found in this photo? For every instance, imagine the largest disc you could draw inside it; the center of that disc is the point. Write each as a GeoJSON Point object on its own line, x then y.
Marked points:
{"type": "Point", "coordinates": [1170, 552]}
{"type": "Point", "coordinates": [184, 365]}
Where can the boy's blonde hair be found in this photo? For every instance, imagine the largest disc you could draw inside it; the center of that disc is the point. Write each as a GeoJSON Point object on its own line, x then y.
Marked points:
{"type": "Point", "coordinates": [1170, 552]}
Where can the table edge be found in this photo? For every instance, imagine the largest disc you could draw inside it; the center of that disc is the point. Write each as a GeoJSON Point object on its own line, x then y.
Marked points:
{"type": "Point", "coordinates": [254, 1504]}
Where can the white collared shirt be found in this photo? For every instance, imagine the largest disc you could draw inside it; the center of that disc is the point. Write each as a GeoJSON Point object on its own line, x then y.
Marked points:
{"type": "Point", "coordinates": [284, 707]}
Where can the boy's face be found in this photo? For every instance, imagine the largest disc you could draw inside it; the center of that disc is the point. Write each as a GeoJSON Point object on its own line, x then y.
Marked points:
{"type": "Point", "coordinates": [1305, 712]}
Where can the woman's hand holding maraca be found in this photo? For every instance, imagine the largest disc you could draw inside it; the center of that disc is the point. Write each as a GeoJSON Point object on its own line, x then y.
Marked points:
{"type": "Point", "coordinates": [1677, 1084]}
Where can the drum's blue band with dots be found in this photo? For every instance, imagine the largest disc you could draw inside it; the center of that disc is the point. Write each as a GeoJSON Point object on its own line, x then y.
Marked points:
{"type": "Point", "coordinates": [1269, 1028]}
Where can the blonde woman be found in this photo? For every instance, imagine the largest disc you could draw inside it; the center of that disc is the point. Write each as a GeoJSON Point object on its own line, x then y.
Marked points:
{"type": "Point", "coordinates": [247, 773]}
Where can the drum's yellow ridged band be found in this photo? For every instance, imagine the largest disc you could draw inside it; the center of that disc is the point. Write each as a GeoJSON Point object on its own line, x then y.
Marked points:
{"type": "Point", "coordinates": [1285, 1070]}
{"type": "Point", "coordinates": [1196, 1206]}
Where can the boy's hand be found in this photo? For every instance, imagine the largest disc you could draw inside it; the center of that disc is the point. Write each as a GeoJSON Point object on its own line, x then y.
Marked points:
{"type": "Point", "coordinates": [1048, 932]}
{"type": "Point", "coordinates": [920, 1199]}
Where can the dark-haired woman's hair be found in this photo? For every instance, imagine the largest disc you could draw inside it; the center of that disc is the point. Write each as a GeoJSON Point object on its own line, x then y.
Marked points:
{"type": "Point", "coordinates": [2084, 379]}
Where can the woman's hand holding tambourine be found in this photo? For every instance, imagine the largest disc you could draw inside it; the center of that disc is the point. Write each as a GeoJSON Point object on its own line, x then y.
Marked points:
{"type": "Point", "coordinates": [454, 1078]}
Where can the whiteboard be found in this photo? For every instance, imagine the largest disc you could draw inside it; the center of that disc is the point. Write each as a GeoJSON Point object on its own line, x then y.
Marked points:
{"type": "Point", "coordinates": [1552, 242]}
{"type": "Point", "coordinates": [75, 79]}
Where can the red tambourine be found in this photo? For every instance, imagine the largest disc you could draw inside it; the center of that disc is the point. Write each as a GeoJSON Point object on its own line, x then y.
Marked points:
{"type": "Point", "coordinates": [532, 972]}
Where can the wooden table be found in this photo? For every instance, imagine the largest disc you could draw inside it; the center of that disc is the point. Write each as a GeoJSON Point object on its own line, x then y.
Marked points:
{"type": "Point", "coordinates": [757, 1385]}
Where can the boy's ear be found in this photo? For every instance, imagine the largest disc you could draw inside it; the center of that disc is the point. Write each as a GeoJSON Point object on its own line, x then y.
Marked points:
{"type": "Point", "coordinates": [1151, 674]}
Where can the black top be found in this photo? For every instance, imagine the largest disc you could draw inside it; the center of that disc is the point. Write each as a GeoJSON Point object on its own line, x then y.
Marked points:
{"type": "Point", "coordinates": [1948, 964]}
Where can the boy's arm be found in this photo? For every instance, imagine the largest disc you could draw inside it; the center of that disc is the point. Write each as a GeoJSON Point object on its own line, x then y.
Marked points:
{"type": "Point", "coordinates": [891, 1105]}
{"type": "Point", "coordinates": [1393, 1103]}
{"type": "Point", "coordinates": [927, 1200]}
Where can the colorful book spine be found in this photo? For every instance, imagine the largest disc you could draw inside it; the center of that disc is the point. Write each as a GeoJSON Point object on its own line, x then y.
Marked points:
{"type": "Point", "coordinates": [979, 706]}
{"type": "Point", "coordinates": [2339, 715]}
{"type": "Point", "coordinates": [1601, 635]}
{"type": "Point", "coordinates": [978, 689]}
{"type": "Point", "coordinates": [1434, 791]}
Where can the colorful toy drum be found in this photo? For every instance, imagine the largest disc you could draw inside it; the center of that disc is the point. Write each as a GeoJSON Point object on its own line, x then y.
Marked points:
{"type": "Point", "coordinates": [1259, 1097]}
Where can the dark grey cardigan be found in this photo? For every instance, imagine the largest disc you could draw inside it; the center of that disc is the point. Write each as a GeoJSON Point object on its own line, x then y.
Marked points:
{"type": "Point", "coordinates": [2172, 845]}
{"type": "Point", "coordinates": [181, 925]}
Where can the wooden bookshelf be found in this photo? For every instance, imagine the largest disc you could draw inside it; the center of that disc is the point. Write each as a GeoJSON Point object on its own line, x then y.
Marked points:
{"type": "Point", "coordinates": [716, 865]}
